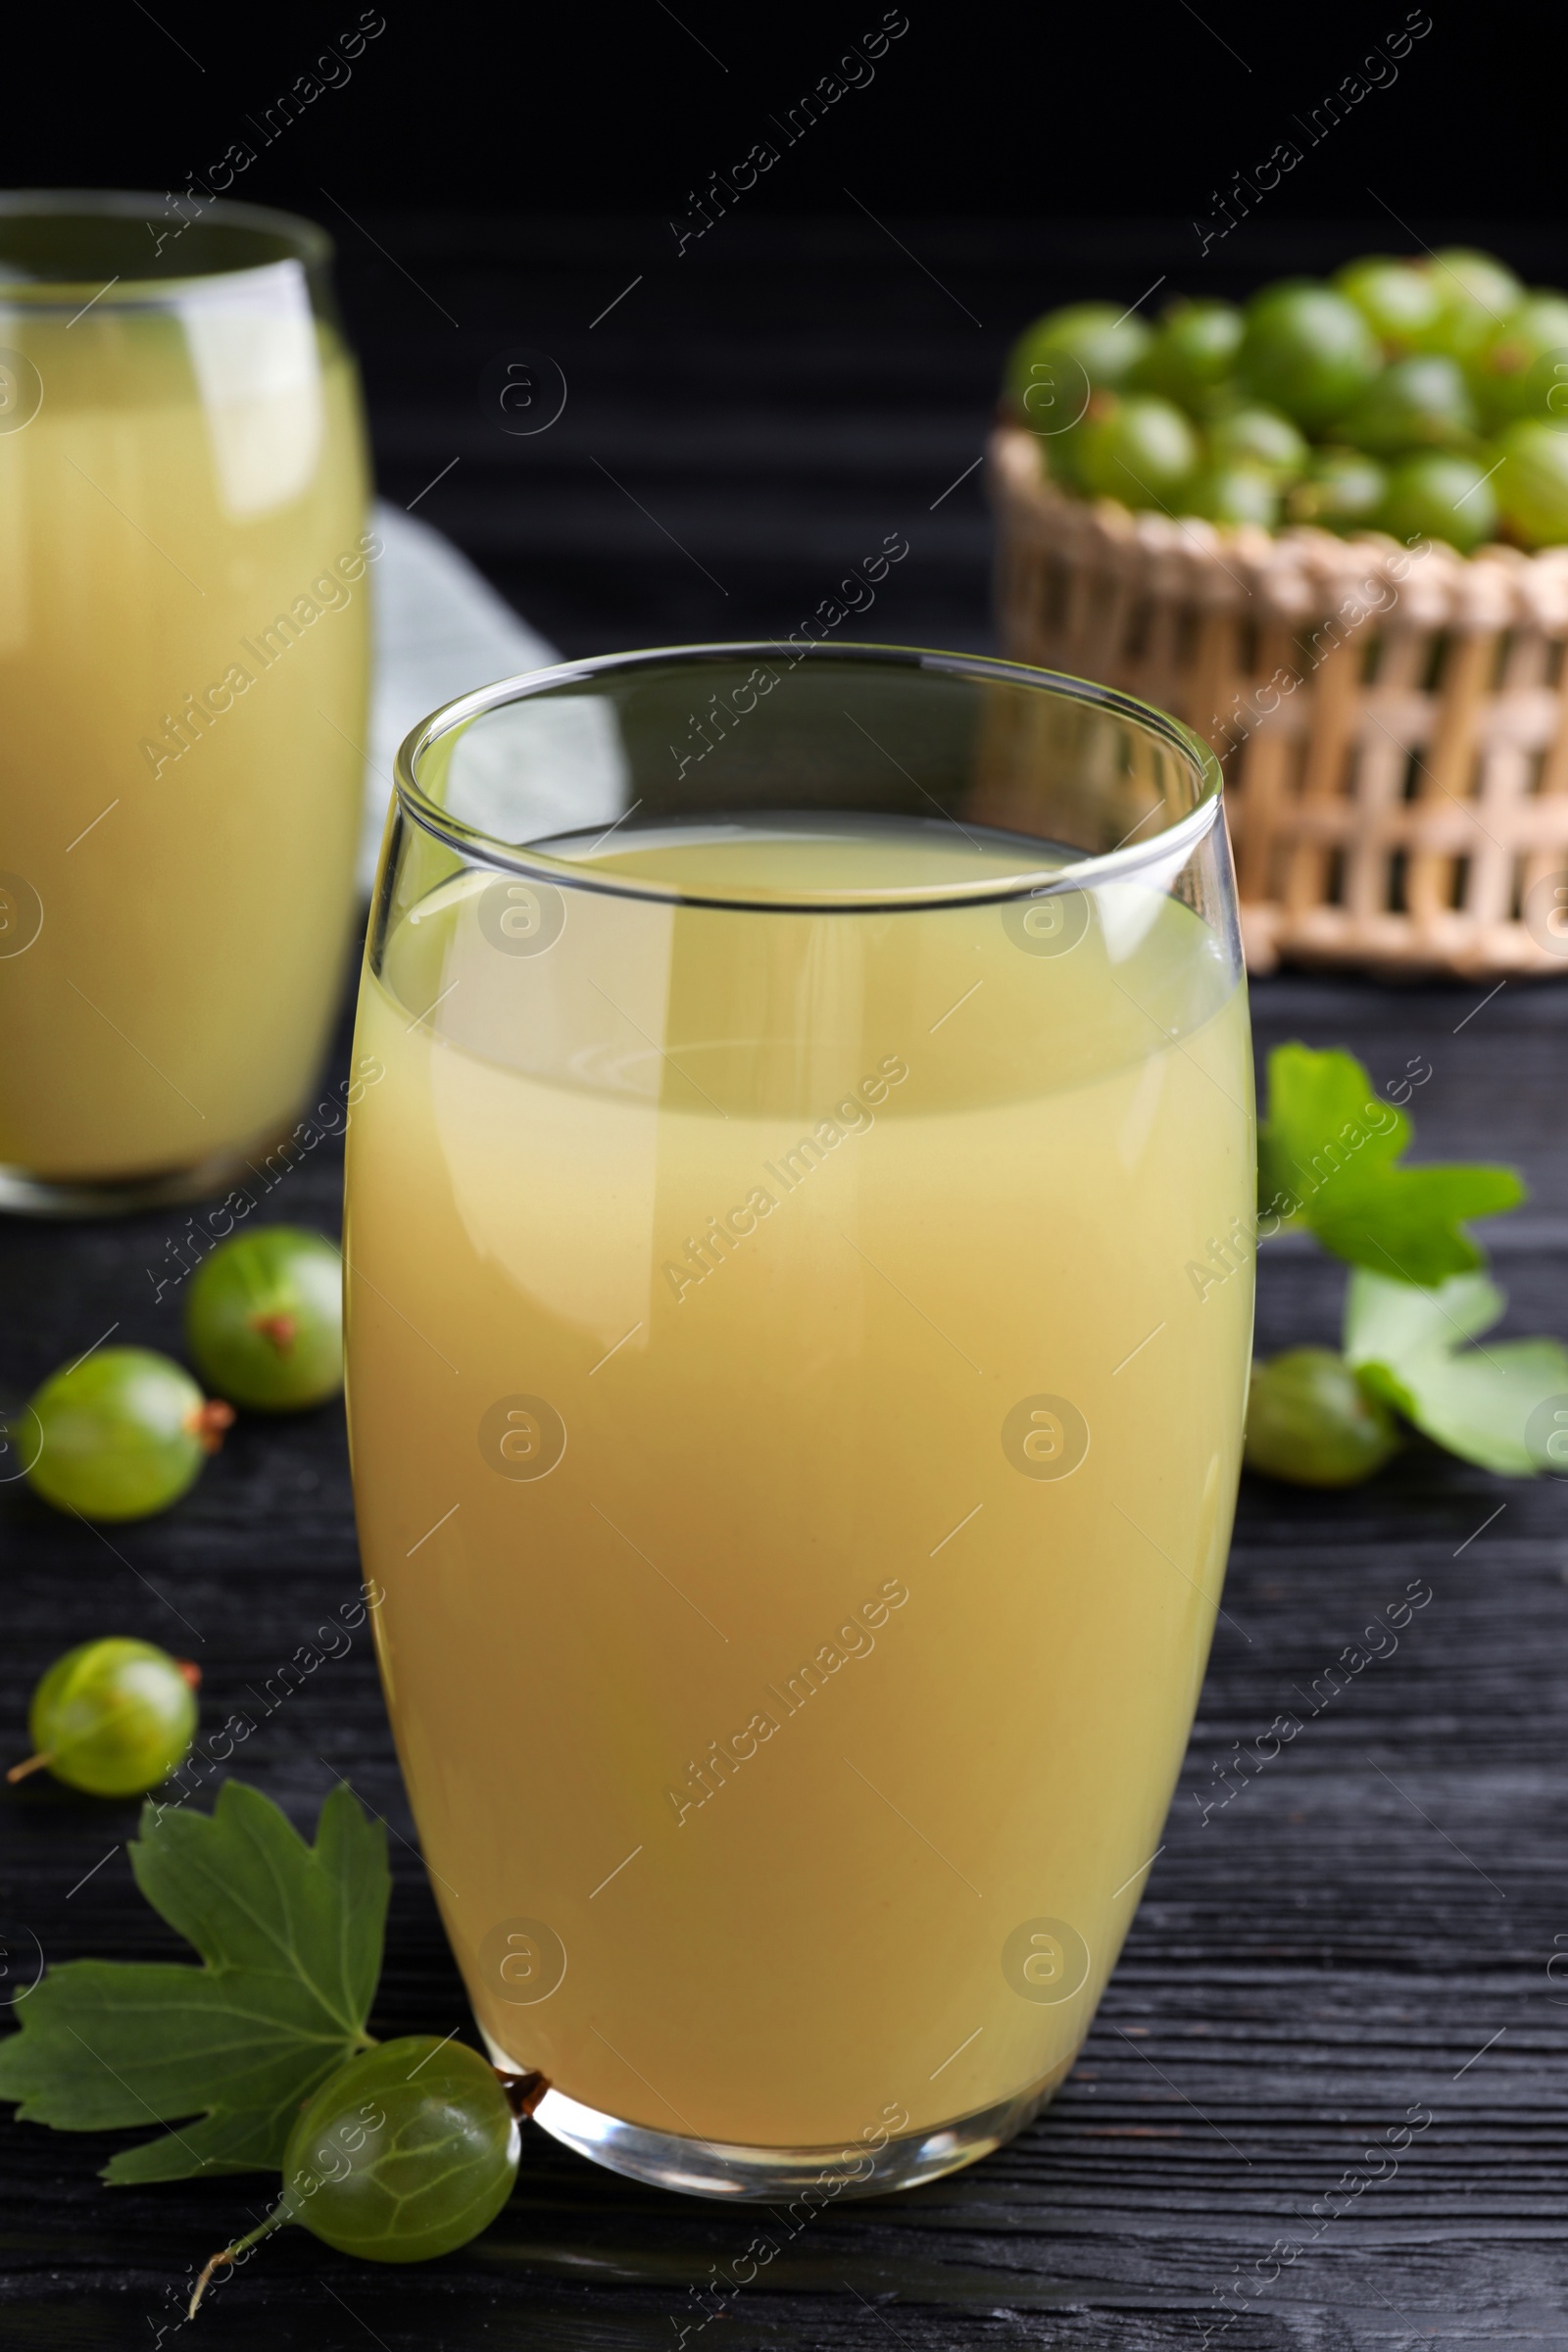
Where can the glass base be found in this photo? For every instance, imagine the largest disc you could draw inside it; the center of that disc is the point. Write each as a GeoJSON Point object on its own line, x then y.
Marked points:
{"type": "Point", "coordinates": [26, 1196]}
{"type": "Point", "coordinates": [716, 2168]}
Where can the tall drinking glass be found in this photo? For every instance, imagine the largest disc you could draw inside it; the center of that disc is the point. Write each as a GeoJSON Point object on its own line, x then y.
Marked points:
{"type": "Point", "coordinates": [795, 1449]}
{"type": "Point", "coordinates": [183, 668]}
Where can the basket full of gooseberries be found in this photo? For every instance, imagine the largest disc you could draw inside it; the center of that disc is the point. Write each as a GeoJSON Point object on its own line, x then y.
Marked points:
{"type": "Point", "coordinates": [1327, 528]}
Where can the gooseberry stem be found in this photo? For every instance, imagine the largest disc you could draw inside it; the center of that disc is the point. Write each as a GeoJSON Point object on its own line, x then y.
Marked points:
{"type": "Point", "coordinates": [279, 1329]}
{"type": "Point", "coordinates": [232, 2254]}
{"type": "Point", "coordinates": [523, 2091]}
{"type": "Point", "coordinates": [20, 1772]}
{"type": "Point", "coordinates": [191, 1672]}
{"type": "Point", "coordinates": [208, 1422]}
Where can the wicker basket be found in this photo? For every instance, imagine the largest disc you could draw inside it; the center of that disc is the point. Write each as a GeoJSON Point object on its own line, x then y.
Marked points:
{"type": "Point", "coordinates": [1393, 722]}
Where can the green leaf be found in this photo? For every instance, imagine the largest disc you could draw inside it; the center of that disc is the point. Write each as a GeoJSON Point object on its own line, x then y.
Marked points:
{"type": "Point", "coordinates": [290, 1937]}
{"type": "Point", "coordinates": [1404, 1222]}
{"type": "Point", "coordinates": [1391, 1322]}
{"type": "Point", "coordinates": [1407, 1346]}
{"type": "Point", "coordinates": [1326, 1159]}
{"type": "Point", "coordinates": [1321, 1111]}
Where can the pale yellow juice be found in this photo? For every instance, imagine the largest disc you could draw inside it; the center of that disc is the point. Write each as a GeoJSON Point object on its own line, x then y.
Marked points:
{"type": "Point", "coordinates": [798, 1462]}
{"type": "Point", "coordinates": [183, 676]}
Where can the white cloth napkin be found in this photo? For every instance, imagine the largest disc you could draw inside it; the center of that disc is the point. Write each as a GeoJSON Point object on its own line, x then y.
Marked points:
{"type": "Point", "coordinates": [440, 630]}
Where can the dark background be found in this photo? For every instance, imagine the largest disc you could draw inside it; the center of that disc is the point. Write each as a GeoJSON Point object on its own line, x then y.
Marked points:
{"type": "Point", "coordinates": [1038, 113]}
{"type": "Point", "coordinates": [1369, 1928]}
{"type": "Point", "coordinates": [820, 364]}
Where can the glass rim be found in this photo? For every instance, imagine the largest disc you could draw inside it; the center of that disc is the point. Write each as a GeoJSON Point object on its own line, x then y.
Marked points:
{"type": "Point", "coordinates": [1107, 866]}
{"type": "Point", "coordinates": [310, 245]}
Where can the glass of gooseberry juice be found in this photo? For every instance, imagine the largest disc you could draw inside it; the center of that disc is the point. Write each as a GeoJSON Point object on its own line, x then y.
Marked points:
{"type": "Point", "coordinates": [184, 656]}
{"type": "Point", "coordinates": [796, 1460]}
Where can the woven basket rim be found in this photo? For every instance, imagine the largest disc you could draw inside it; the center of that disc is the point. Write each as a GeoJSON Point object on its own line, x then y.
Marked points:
{"type": "Point", "coordinates": [1230, 565]}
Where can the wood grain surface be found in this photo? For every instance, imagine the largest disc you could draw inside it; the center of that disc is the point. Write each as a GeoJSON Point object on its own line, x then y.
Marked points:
{"type": "Point", "coordinates": [1354, 1952]}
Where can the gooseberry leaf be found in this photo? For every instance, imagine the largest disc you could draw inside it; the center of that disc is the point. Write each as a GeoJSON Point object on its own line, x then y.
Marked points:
{"type": "Point", "coordinates": [1327, 1159]}
{"type": "Point", "coordinates": [1408, 1345]}
{"type": "Point", "coordinates": [1407, 1222]}
{"type": "Point", "coordinates": [290, 1938]}
{"type": "Point", "coordinates": [1313, 1099]}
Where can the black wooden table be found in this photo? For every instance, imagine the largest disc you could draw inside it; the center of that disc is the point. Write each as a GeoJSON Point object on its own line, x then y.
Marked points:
{"type": "Point", "coordinates": [1356, 1952]}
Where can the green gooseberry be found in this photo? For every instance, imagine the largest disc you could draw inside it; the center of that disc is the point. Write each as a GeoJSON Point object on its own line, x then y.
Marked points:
{"type": "Point", "coordinates": [1399, 299]}
{"type": "Point", "coordinates": [1440, 495]}
{"type": "Point", "coordinates": [1069, 354]}
{"type": "Point", "coordinates": [402, 2155]}
{"type": "Point", "coordinates": [1257, 436]}
{"type": "Point", "coordinates": [125, 1433]}
{"type": "Point", "coordinates": [1479, 296]}
{"type": "Point", "coordinates": [113, 1717]}
{"type": "Point", "coordinates": [1532, 481]}
{"type": "Point", "coordinates": [1308, 351]}
{"type": "Point", "coordinates": [1235, 493]}
{"type": "Point", "coordinates": [1419, 402]}
{"type": "Point", "coordinates": [1523, 370]}
{"type": "Point", "coordinates": [1193, 355]}
{"type": "Point", "coordinates": [1311, 1422]}
{"type": "Point", "coordinates": [1141, 450]}
{"type": "Point", "coordinates": [264, 1320]}
{"type": "Point", "coordinates": [1341, 490]}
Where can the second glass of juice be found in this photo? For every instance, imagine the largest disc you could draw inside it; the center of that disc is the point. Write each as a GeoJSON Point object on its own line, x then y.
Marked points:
{"type": "Point", "coordinates": [184, 661]}
{"type": "Point", "coordinates": [793, 1458]}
